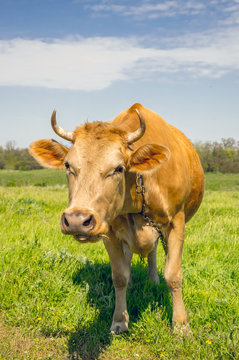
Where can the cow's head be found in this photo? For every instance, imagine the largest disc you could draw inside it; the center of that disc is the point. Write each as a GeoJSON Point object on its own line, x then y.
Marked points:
{"type": "Point", "coordinates": [96, 167]}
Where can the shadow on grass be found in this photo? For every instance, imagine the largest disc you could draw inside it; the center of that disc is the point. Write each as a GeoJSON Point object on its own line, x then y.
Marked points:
{"type": "Point", "coordinates": [87, 343]}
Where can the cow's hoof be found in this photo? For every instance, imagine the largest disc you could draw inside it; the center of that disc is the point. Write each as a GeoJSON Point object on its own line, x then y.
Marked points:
{"type": "Point", "coordinates": [182, 330]}
{"type": "Point", "coordinates": [118, 327]}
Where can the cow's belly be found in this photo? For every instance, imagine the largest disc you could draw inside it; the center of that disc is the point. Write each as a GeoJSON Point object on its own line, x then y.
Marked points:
{"type": "Point", "coordinates": [140, 239]}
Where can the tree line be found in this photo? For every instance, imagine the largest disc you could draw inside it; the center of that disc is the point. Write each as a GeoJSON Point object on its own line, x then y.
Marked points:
{"type": "Point", "coordinates": [14, 158]}
{"type": "Point", "coordinates": [215, 156]}
{"type": "Point", "coordinates": [220, 156]}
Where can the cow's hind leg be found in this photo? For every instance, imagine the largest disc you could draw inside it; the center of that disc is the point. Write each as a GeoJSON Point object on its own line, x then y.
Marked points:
{"type": "Point", "coordinates": [152, 264]}
{"type": "Point", "coordinates": [120, 259]}
{"type": "Point", "coordinates": [173, 271]}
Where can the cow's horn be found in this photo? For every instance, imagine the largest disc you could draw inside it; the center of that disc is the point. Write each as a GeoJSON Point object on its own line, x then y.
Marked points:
{"type": "Point", "coordinates": [136, 135]}
{"type": "Point", "coordinates": [68, 135]}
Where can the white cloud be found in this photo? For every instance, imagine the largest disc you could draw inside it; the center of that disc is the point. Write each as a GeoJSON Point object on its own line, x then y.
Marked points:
{"type": "Point", "coordinates": [232, 14]}
{"type": "Point", "coordinates": [149, 9]}
{"type": "Point", "coordinates": [226, 10]}
{"type": "Point", "coordinates": [85, 64]}
{"type": "Point", "coordinates": [96, 63]}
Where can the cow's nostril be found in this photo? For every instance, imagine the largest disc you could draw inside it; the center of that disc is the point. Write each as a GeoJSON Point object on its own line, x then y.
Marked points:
{"type": "Point", "coordinates": [66, 222]}
{"type": "Point", "coordinates": [77, 222]}
{"type": "Point", "coordinates": [88, 221]}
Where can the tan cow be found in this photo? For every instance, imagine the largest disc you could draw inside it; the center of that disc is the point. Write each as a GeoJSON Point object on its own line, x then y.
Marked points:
{"type": "Point", "coordinates": [105, 203]}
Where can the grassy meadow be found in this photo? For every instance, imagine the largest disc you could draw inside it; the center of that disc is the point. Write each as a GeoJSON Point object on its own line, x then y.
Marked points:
{"type": "Point", "coordinates": [57, 297]}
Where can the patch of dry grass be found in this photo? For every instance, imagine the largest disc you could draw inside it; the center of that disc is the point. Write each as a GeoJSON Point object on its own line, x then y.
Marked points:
{"type": "Point", "coordinates": [17, 343]}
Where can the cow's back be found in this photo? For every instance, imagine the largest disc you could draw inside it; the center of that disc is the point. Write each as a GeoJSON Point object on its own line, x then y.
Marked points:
{"type": "Point", "coordinates": [180, 181]}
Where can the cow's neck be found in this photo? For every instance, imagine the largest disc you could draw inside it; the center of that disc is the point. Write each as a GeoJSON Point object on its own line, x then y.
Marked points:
{"type": "Point", "coordinates": [133, 201]}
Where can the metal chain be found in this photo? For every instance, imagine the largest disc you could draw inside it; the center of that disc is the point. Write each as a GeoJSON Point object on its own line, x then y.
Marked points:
{"type": "Point", "coordinates": [140, 189]}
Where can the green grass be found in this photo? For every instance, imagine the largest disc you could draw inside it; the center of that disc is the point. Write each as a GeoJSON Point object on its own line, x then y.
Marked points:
{"type": "Point", "coordinates": [41, 178]}
{"type": "Point", "coordinates": [220, 181]}
{"type": "Point", "coordinates": [57, 297]}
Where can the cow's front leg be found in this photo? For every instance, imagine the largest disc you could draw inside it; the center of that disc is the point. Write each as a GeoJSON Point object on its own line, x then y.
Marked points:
{"type": "Point", "coordinates": [120, 260]}
{"type": "Point", "coordinates": [152, 264]}
{"type": "Point", "coordinates": [173, 271]}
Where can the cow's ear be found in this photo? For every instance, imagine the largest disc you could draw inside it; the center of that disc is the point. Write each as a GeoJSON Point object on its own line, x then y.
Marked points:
{"type": "Point", "coordinates": [148, 157]}
{"type": "Point", "coordinates": [49, 153]}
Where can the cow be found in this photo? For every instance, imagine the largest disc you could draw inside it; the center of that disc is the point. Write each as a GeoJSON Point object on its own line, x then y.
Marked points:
{"type": "Point", "coordinates": [131, 181]}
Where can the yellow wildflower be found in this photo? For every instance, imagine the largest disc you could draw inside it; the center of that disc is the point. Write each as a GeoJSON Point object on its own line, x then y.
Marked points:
{"type": "Point", "coordinates": [208, 342]}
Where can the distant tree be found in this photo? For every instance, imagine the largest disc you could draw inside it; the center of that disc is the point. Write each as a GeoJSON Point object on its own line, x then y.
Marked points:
{"type": "Point", "coordinates": [24, 161]}
{"type": "Point", "coordinates": [10, 145]}
{"type": "Point", "coordinates": [2, 158]}
{"type": "Point", "coordinates": [219, 157]}
{"type": "Point", "coordinates": [18, 159]}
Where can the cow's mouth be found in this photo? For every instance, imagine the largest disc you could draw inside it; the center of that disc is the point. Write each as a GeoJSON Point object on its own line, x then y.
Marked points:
{"type": "Point", "coordinates": [81, 238]}
{"type": "Point", "coordinates": [85, 238]}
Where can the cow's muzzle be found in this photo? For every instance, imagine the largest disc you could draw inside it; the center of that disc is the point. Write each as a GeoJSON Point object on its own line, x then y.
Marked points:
{"type": "Point", "coordinates": [78, 222]}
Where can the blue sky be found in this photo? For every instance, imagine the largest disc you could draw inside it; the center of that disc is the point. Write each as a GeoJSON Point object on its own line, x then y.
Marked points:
{"type": "Point", "coordinates": [92, 59]}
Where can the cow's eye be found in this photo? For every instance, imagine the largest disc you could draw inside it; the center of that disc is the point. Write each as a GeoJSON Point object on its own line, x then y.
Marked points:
{"type": "Point", "coordinates": [67, 165]}
{"type": "Point", "coordinates": [119, 169]}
